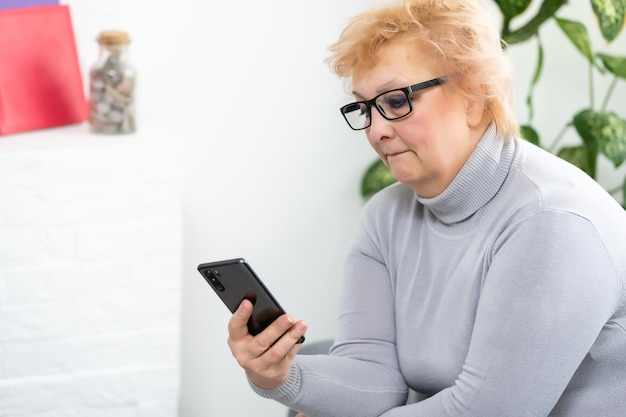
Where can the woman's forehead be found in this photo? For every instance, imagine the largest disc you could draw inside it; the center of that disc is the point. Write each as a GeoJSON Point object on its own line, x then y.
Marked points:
{"type": "Point", "coordinates": [395, 66]}
{"type": "Point", "coordinates": [397, 55]}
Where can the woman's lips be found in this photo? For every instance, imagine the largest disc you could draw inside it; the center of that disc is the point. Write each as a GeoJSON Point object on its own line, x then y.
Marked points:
{"type": "Point", "coordinates": [390, 154]}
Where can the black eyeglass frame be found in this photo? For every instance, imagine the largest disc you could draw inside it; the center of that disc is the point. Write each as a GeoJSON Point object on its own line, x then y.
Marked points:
{"type": "Point", "coordinates": [372, 102]}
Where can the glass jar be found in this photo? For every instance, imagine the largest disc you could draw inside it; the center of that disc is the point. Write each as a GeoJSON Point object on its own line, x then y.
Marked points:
{"type": "Point", "coordinates": [112, 86]}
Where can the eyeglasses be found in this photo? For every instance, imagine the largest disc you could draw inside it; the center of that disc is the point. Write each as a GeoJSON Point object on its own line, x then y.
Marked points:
{"type": "Point", "coordinates": [392, 105]}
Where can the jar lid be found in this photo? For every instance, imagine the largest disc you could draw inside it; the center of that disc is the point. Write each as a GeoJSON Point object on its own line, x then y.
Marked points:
{"type": "Point", "coordinates": [113, 38]}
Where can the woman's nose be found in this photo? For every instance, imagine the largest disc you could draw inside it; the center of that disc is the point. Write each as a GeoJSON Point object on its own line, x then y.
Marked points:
{"type": "Point", "coordinates": [380, 128]}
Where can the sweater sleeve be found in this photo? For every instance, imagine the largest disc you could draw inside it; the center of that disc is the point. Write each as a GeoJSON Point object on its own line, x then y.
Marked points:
{"type": "Point", "coordinates": [550, 288]}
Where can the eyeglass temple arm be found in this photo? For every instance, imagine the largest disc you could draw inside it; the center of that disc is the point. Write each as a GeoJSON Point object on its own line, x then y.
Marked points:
{"type": "Point", "coordinates": [426, 84]}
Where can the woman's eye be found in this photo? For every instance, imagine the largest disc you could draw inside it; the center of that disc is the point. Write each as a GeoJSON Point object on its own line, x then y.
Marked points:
{"type": "Point", "coordinates": [397, 102]}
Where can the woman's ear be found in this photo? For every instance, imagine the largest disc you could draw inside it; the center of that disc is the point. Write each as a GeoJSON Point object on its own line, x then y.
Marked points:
{"type": "Point", "coordinates": [475, 105]}
{"type": "Point", "coordinates": [474, 112]}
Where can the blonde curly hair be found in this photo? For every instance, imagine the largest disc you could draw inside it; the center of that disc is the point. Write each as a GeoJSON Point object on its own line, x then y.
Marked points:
{"type": "Point", "coordinates": [459, 35]}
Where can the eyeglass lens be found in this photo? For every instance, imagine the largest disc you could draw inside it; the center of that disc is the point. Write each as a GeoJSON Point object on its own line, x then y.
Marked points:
{"type": "Point", "coordinates": [391, 105]}
{"type": "Point", "coordinates": [357, 114]}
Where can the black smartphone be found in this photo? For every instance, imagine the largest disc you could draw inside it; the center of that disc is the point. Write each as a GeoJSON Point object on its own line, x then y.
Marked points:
{"type": "Point", "coordinates": [233, 280]}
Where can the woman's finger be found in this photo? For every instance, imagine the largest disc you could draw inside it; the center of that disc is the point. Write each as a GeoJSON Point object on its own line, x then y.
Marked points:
{"type": "Point", "coordinates": [238, 323]}
{"type": "Point", "coordinates": [290, 338]}
{"type": "Point", "coordinates": [280, 329]}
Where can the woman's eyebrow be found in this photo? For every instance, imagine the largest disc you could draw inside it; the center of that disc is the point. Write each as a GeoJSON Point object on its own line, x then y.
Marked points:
{"type": "Point", "coordinates": [389, 85]}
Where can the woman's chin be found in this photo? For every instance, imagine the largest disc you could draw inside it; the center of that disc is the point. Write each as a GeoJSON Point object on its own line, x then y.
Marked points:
{"type": "Point", "coordinates": [401, 174]}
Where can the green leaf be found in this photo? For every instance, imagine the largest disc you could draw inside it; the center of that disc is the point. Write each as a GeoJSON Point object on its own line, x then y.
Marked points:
{"type": "Point", "coordinates": [512, 8]}
{"type": "Point", "coordinates": [375, 179]}
{"type": "Point", "coordinates": [530, 134]}
{"type": "Point", "coordinates": [603, 132]}
{"type": "Point", "coordinates": [534, 81]}
{"type": "Point", "coordinates": [539, 68]}
{"type": "Point", "coordinates": [615, 64]}
{"type": "Point", "coordinates": [546, 11]}
{"type": "Point", "coordinates": [579, 156]}
{"type": "Point", "coordinates": [577, 33]}
{"type": "Point", "coordinates": [610, 15]}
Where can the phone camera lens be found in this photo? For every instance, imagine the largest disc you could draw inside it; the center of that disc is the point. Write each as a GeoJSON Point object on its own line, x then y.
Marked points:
{"type": "Point", "coordinates": [214, 281]}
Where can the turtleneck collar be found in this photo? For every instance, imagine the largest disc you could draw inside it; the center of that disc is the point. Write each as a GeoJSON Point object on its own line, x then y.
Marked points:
{"type": "Point", "coordinates": [477, 182]}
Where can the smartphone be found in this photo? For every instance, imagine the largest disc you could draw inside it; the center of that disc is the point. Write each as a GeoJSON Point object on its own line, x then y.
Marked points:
{"type": "Point", "coordinates": [233, 280]}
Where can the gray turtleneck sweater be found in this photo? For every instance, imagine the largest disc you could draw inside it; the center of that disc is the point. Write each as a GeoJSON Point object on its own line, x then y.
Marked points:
{"type": "Point", "coordinates": [503, 296]}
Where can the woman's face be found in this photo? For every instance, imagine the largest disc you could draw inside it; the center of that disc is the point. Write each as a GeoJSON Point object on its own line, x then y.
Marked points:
{"type": "Point", "coordinates": [427, 148]}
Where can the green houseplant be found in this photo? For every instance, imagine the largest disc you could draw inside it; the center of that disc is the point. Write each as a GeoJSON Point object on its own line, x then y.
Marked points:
{"type": "Point", "coordinates": [600, 132]}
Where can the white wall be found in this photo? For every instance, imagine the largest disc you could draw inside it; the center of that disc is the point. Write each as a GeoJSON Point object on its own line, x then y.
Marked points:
{"type": "Point", "coordinates": [271, 172]}
{"type": "Point", "coordinates": [90, 261]}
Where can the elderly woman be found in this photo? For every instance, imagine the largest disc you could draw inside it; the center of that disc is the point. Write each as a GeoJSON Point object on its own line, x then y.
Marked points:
{"type": "Point", "coordinates": [491, 277]}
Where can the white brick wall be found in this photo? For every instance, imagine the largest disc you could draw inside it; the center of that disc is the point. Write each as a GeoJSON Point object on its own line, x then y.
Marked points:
{"type": "Point", "coordinates": [90, 248]}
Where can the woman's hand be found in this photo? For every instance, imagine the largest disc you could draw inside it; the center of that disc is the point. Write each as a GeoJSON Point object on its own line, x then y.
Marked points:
{"type": "Point", "coordinates": [266, 357]}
